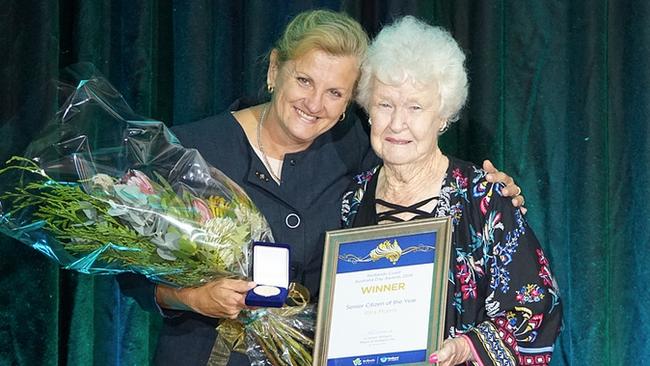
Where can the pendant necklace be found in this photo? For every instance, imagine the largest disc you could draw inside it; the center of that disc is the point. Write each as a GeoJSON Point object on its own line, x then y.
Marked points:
{"type": "Point", "coordinates": [259, 144]}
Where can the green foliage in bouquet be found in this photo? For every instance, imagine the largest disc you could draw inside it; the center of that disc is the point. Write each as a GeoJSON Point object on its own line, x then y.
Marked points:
{"type": "Point", "coordinates": [180, 239]}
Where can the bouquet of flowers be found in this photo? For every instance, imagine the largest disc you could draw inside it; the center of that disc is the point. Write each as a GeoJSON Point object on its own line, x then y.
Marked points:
{"type": "Point", "coordinates": [104, 191]}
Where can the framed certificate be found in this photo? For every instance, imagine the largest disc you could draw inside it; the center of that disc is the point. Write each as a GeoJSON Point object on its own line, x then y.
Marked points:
{"type": "Point", "coordinates": [383, 294]}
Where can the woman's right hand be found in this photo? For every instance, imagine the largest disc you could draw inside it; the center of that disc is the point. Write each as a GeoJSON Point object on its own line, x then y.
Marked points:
{"type": "Point", "coordinates": [454, 351]}
{"type": "Point", "coordinates": [223, 298]}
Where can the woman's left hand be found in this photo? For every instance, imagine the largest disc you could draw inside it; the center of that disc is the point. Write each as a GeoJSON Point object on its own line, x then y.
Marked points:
{"type": "Point", "coordinates": [510, 190]}
{"type": "Point", "coordinates": [452, 352]}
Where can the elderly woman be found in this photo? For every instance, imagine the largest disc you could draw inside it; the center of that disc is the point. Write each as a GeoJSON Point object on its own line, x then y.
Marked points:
{"type": "Point", "coordinates": [294, 156]}
{"type": "Point", "coordinates": [503, 305]}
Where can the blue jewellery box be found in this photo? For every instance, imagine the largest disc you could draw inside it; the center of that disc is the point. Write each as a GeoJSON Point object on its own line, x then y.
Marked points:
{"type": "Point", "coordinates": [271, 274]}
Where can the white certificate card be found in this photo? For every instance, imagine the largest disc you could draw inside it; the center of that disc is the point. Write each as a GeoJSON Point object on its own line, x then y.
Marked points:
{"type": "Point", "coordinates": [381, 303]}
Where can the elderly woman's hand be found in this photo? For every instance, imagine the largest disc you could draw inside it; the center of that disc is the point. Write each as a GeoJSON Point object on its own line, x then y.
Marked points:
{"type": "Point", "coordinates": [223, 298]}
{"type": "Point", "coordinates": [510, 190]}
{"type": "Point", "coordinates": [452, 352]}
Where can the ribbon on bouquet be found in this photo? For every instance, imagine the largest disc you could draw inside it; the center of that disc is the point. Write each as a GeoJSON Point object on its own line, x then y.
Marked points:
{"type": "Point", "coordinates": [272, 329]}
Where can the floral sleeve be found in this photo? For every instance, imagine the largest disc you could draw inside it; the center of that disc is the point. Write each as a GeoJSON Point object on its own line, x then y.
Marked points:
{"type": "Point", "coordinates": [522, 303]}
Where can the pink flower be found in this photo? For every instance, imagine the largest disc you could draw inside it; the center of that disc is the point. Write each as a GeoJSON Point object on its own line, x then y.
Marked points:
{"type": "Point", "coordinates": [484, 205]}
{"type": "Point", "coordinates": [520, 298]}
{"type": "Point", "coordinates": [469, 290]}
{"type": "Point", "coordinates": [541, 257]}
{"type": "Point", "coordinates": [464, 182]}
{"type": "Point", "coordinates": [203, 209]}
{"type": "Point", "coordinates": [534, 293]}
{"type": "Point", "coordinates": [462, 274]}
{"type": "Point", "coordinates": [545, 275]}
{"type": "Point", "coordinates": [495, 219]}
{"type": "Point", "coordinates": [536, 320]}
{"type": "Point", "coordinates": [138, 179]}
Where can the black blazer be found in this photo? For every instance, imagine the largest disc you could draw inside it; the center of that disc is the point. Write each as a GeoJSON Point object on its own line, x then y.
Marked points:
{"type": "Point", "coordinates": [299, 211]}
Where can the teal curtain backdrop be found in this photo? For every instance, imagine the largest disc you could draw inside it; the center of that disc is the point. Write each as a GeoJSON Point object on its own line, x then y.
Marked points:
{"type": "Point", "coordinates": [559, 99]}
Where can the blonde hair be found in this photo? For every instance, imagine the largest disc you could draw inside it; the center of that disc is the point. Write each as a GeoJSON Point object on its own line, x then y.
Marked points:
{"type": "Point", "coordinates": [412, 50]}
{"type": "Point", "coordinates": [335, 33]}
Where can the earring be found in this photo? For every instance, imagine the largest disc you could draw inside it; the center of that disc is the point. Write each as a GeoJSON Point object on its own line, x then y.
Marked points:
{"type": "Point", "coordinates": [270, 89]}
{"type": "Point", "coordinates": [342, 117]}
{"type": "Point", "coordinates": [370, 121]}
{"type": "Point", "coordinates": [444, 127]}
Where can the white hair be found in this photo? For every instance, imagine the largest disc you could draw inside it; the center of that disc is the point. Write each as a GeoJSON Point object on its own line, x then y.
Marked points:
{"type": "Point", "coordinates": [411, 50]}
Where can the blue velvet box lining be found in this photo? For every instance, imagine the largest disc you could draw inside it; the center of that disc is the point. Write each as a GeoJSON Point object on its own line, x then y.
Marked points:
{"type": "Point", "coordinates": [270, 268]}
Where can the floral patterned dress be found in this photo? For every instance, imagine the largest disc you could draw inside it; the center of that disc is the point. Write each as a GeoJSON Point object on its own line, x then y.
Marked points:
{"type": "Point", "coordinates": [502, 295]}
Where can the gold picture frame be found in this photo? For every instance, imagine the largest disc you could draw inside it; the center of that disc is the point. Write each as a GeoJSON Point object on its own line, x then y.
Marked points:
{"type": "Point", "coordinates": [372, 276]}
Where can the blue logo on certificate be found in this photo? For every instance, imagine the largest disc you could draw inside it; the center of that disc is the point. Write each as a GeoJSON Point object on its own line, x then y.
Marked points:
{"type": "Point", "coordinates": [383, 359]}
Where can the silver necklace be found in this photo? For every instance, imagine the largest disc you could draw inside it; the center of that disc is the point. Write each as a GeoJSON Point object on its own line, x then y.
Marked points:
{"type": "Point", "coordinates": [259, 144]}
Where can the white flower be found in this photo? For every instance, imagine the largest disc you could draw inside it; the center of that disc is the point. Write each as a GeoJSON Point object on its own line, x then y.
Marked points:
{"type": "Point", "coordinates": [216, 231]}
{"type": "Point", "coordinates": [104, 181]}
{"type": "Point", "coordinates": [218, 237]}
{"type": "Point", "coordinates": [258, 226]}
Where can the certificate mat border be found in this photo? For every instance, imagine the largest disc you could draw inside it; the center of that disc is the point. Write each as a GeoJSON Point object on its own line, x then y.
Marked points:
{"type": "Point", "coordinates": [333, 240]}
